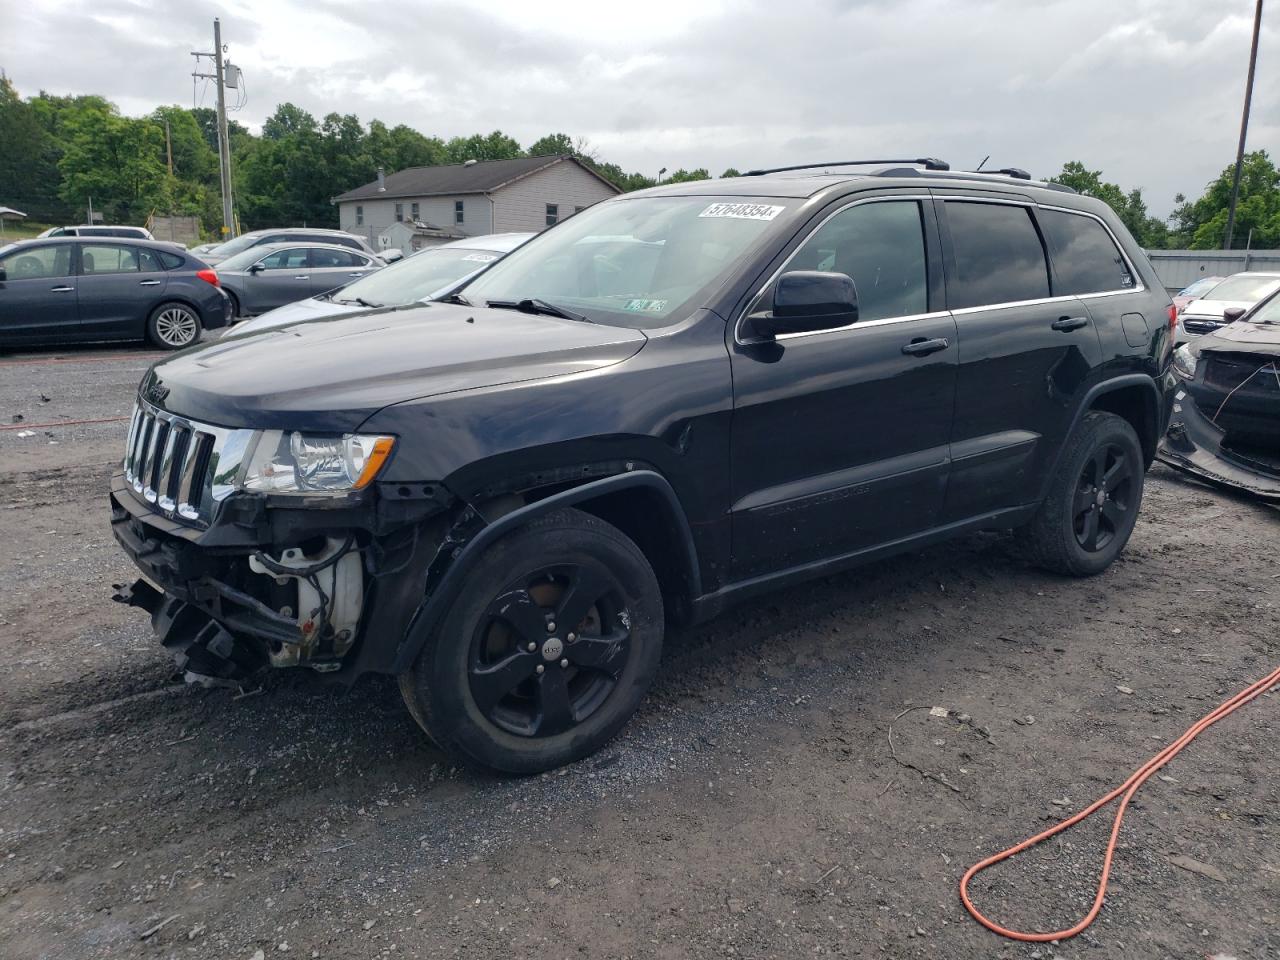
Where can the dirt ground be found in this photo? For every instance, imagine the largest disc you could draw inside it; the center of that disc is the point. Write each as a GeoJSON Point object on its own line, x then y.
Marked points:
{"type": "Point", "coordinates": [753, 809]}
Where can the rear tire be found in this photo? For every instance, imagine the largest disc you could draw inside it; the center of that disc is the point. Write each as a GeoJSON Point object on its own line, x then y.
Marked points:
{"type": "Point", "coordinates": [173, 326]}
{"type": "Point", "coordinates": [1093, 500]}
{"type": "Point", "coordinates": [582, 594]}
{"type": "Point", "coordinates": [235, 307]}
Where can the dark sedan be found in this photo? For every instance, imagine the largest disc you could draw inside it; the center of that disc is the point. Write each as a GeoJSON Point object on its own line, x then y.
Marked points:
{"type": "Point", "coordinates": [88, 289]}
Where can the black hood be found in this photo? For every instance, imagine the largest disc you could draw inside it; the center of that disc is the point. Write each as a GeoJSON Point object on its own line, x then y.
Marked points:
{"type": "Point", "coordinates": [332, 373]}
{"type": "Point", "coordinates": [1242, 336]}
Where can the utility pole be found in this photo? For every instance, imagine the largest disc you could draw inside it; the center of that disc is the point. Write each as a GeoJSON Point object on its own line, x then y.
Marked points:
{"type": "Point", "coordinates": [1244, 127]}
{"type": "Point", "coordinates": [168, 147]}
{"type": "Point", "coordinates": [224, 143]}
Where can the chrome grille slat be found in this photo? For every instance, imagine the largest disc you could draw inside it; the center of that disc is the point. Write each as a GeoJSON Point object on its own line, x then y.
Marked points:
{"type": "Point", "coordinates": [185, 468]}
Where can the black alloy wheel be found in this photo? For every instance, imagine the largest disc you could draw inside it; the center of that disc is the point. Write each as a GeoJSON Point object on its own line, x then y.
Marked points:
{"type": "Point", "coordinates": [1104, 497]}
{"type": "Point", "coordinates": [547, 653]}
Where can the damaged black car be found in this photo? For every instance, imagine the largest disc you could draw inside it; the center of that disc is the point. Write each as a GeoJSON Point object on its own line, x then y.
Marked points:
{"type": "Point", "coordinates": [1225, 427]}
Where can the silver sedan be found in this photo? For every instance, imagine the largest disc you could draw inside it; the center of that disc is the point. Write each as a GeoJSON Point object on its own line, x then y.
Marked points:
{"type": "Point", "coordinates": [273, 274]}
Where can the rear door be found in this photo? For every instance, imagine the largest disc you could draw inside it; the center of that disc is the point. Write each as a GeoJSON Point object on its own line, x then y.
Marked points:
{"type": "Point", "coordinates": [1026, 355]}
{"type": "Point", "coordinates": [839, 437]}
{"type": "Point", "coordinates": [119, 286]}
{"type": "Point", "coordinates": [38, 294]}
{"type": "Point", "coordinates": [336, 268]}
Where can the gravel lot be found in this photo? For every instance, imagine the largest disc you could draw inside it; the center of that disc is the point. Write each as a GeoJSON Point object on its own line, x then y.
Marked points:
{"type": "Point", "coordinates": [752, 809]}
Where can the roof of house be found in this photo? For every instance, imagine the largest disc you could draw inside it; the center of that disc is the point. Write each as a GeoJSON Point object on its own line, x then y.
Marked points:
{"type": "Point", "coordinates": [483, 176]}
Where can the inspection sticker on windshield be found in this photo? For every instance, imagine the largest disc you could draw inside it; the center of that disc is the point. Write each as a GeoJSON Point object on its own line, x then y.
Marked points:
{"type": "Point", "coordinates": [742, 211]}
{"type": "Point", "coordinates": [480, 257]}
{"type": "Point", "coordinates": [645, 306]}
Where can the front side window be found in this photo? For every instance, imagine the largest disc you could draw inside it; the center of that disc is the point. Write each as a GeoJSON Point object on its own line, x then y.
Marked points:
{"type": "Point", "coordinates": [96, 258]}
{"type": "Point", "coordinates": [999, 255]}
{"type": "Point", "coordinates": [1085, 258]}
{"type": "Point", "coordinates": [291, 259]}
{"type": "Point", "coordinates": [399, 213]}
{"type": "Point", "coordinates": [37, 263]}
{"type": "Point", "coordinates": [359, 215]}
{"type": "Point", "coordinates": [880, 246]}
{"type": "Point", "coordinates": [636, 262]}
{"type": "Point", "coordinates": [459, 212]}
{"type": "Point", "coordinates": [553, 214]}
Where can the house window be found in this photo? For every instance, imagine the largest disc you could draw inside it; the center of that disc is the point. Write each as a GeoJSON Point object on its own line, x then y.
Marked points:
{"type": "Point", "coordinates": [578, 209]}
{"type": "Point", "coordinates": [399, 213]}
{"type": "Point", "coordinates": [457, 211]}
{"type": "Point", "coordinates": [359, 215]}
{"type": "Point", "coordinates": [414, 211]}
{"type": "Point", "coordinates": [553, 214]}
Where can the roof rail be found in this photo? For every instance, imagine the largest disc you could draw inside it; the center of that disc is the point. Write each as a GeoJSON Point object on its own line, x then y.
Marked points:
{"type": "Point", "coordinates": [929, 163]}
{"type": "Point", "coordinates": [1013, 173]}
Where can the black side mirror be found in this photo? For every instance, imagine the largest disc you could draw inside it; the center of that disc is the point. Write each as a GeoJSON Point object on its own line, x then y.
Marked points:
{"type": "Point", "coordinates": [257, 268]}
{"type": "Point", "coordinates": [1232, 314]}
{"type": "Point", "coordinates": [807, 300]}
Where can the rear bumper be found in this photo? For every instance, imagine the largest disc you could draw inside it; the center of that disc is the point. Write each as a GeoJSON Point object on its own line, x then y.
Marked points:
{"type": "Point", "coordinates": [217, 313]}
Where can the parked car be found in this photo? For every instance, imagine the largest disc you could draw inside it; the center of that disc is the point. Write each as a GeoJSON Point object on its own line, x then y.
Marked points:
{"type": "Point", "coordinates": [256, 238]}
{"type": "Point", "coordinates": [99, 230]}
{"type": "Point", "coordinates": [424, 276]}
{"type": "Point", "coordinates": [1226, 424]}
{"type": "Point", "coordinates": [84, 289]}
{"type": "Point", "coordinates": [1195, 291]}
{"type": "Point", "coordinates": [1240, 291]}
{"type": "Point", "coordinates": [201, 249]}
{"type": "Point", "coordinates": [675, 399]}
{"type": "Point", "coordinates": [270, 275]}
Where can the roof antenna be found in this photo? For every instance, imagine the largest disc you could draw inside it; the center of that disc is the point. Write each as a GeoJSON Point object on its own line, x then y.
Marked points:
{"type": "Point", "coordinates": [983, 163]}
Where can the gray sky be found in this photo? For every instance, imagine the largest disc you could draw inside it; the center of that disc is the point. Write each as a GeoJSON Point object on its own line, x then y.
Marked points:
{"type": "Point", "coordinates": [1148, 91]}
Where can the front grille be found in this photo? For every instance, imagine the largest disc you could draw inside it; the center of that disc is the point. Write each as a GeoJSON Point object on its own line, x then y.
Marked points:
{"type": "Point", "coordinates": [1228, 373]}
{"type": "Point", "coordinates": [1201, 326]}
{"type": "Point", "coordinates": [181, 466]}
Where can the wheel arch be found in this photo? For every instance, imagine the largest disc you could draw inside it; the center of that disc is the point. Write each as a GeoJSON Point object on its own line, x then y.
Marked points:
{"type": "Point", "coordinates": [629, 500]}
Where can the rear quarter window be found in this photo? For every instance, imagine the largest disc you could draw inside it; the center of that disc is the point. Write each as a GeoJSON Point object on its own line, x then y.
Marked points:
{"type": "Point", "coordinates": [171, 261]}
{"type": "Point", "coordinates": [999, 255]}
{"type": "Point", "coordinates": [1085, 258]}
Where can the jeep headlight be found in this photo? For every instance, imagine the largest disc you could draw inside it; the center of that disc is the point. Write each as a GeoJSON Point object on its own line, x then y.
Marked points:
{"type": "Point", "coordinates": [288, 462]}
{"type": "Point", "coordinates": [1185, 360]}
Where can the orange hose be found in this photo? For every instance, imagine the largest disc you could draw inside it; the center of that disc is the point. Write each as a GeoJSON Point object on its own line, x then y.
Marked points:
{"type": "Point", "coordinates": [1128, 789]}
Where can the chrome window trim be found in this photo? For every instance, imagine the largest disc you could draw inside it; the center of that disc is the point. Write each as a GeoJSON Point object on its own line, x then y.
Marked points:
{"type": "Point", "coordinates": [742, 317]}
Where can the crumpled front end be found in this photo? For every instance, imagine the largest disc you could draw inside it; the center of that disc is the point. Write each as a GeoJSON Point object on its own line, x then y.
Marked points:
{"type": "Point", "coordinates": [1233, 458]}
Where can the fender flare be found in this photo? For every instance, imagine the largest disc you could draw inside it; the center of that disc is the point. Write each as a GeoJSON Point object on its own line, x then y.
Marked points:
{"type": "Point", "coordinates": [433, 608]}
{"type": "Point", "coordinates": [1096, 391]}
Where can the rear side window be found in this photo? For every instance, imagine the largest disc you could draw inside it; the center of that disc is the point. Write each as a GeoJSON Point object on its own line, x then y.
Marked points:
{"type": "Point", "coordinates": [1085, 258]}
{"type": "Point", "coordinates": [999, 255]}
{"type": "Point", "coordinates": [881, 246]}
{"type": "Point", "coordinates": [335, 258]}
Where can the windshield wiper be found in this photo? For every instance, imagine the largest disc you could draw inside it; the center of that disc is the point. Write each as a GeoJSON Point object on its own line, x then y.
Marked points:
{"type": "Point", "coordinates": [534, 305]}
{"type": "Point", "coordinates": [456, 298]}
{"type": "Point", "coordinates": [360, 301]}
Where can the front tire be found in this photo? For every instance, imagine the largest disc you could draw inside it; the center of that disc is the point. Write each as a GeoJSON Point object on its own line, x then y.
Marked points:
{"type": "Point", "coordinates": [173, 326]}
{"type": "Point", "coordinates": [1093, 500]}
{"type": "Point", "coordinates": [548, 649]}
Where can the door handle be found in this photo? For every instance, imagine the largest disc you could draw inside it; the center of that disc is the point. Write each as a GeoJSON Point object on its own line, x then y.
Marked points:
{"type": "Point", "coordinates": [921, 347]}
{"type": "Point", "coordinates": [61, 289]}
{"type": "Point", "coordinates": [148, 283]}
{"type": "Point", "coordinates": [356, 274]}
{"type": "Point", "coordinates": [302, 278]}
{"type": "Point", "coordinates": [1069, 323]}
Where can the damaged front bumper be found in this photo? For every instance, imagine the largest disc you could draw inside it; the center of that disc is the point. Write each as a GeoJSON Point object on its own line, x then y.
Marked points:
{"type": "Point", "coordinates": [1196, 445]}
{"type": "Point", "coordinates": [280, 587]}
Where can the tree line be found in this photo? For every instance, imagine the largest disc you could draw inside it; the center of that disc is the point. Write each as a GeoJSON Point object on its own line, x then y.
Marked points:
{"type": "Point", "coordinates": [57, 152]}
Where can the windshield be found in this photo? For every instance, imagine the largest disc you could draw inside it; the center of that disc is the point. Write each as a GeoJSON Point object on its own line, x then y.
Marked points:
{"type": "Point", "coordinates": [1269, 312]}
{"type": "Point", "coordinates": [419, 277]}
{"type": "Point", "coordinates": [634, 261]}
{"type": "Point", "coordinates": [1200, 287]}
{"type": "Point", "coordinates": [1244, 288]}
{"type": "Point", "coordinates": [242, 242]}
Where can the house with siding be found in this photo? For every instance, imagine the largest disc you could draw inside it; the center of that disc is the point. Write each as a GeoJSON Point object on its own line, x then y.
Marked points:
{"type": "Point", "coordinates": [439, 203]}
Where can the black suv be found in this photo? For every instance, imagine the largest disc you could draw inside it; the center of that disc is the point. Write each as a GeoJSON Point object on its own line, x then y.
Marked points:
{"type": "Point", "coordinates": [671, 401]}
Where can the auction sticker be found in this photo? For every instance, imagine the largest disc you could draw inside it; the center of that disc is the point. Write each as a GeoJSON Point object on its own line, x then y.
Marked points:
{"type": "Point", "coordinates": [480, 258]}
{"type": "Point", "coordinates": [646, 306]}
{"type": "Point", "coordinates": [742, 211]}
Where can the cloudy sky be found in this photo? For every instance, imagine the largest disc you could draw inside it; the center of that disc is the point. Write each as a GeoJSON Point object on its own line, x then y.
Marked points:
{"type": "Point", "coordinates": [1148, 91]}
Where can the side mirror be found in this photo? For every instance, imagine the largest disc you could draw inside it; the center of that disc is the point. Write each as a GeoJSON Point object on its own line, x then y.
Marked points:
{"type": "Point", "coordinates": [1232, 314]}
{"type": "Point", "coordinates": [807, 300]}
{"type": "Point", "coordinates": [257, 268]}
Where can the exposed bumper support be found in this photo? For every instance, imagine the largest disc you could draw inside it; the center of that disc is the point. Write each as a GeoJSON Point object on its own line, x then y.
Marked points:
{"type": "Point", "coordinates": [1194, 445]}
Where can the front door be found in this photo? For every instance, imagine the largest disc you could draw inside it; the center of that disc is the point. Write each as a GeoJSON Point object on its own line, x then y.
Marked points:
{"type": "Point", "coordinates": [1027, 353]}
{"type": "Point", "coordinates": [839, 438]}
{"type": "Point", "coordinates": [285, 277]}
{"type": "Point", "coordinates": [119, 286]}
{"type": "Point", "coordinates": [38, 294]}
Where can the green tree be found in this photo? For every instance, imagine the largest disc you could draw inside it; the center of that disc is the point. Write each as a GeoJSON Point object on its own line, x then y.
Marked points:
{"type": "Point", "coordinates": [552, 144]}
{"type": "Point", "coordinates": [1202, 224]}
{"type": "Point", "coordinates": [731, 172]}
{"type": "Point", "coordinates": [495, 146]}
{"type": "Point", "coordinates": [118, 161]}
{"type": "Point", "coordinates": [1129, 207]}
{"type": "Point", "coordinates": [29, 176]}
{"type": "Point", "coordinates": [685, 176]}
